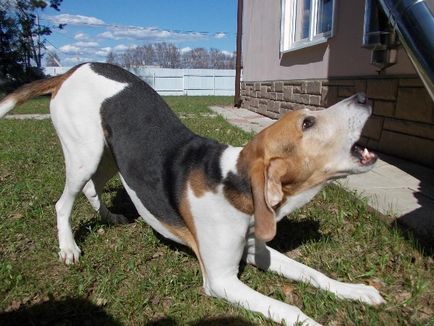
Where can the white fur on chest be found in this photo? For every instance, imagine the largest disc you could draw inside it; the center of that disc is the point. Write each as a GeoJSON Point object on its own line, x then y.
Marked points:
{"type": "Point", "coordinates": [294, 202]}
{"type": "Point", "coordinates": [228, 163]}
{"type": "Point", "coordinates": [229, 159]}
{"type": "Point", "coordinates": [221, 230]}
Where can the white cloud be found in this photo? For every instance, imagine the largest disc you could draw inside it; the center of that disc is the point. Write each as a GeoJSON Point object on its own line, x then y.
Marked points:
{"type": "Point", "coordinates": [108, 35]}
{"type": "Point", "coordinates": [75, 20]}
{"type": "Point", "coordinates": [186, 49]}
{"type": "Point", "coordinates": [76, 60]}
{"type": "Point", "coordinates": [81, 37]}
{"type": "Point", "coordinates": [220, 35]}
{"type": "Point", "coordinates": [120, 48]}
{"type": "Point", "coordinates": [81, 48]}
{"type": "Point", "coordinates": [70, 49]}
{"type": "Point", "coordinates": [101, 53]}
{"type": "Point", "coordinates": [148, 33]}
{"type": "Point", "coordinates": [88, 44]}
{"type": "Point", "coordinates": [228, 53]}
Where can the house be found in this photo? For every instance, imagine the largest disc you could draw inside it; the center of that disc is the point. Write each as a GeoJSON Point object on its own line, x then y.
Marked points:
{"type": "Point", "coordinates": [313, 53]}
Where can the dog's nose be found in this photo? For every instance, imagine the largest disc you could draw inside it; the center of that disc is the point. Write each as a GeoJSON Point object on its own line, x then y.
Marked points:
{"type": "Point", "coordinates": [361, 98]}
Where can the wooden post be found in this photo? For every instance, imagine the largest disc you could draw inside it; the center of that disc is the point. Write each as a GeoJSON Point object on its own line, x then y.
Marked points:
{"type": "Point", "coordinates": [237, 98]}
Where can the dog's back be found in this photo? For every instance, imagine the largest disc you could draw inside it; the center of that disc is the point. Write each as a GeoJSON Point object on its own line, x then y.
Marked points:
{"type": "Point", "coordinates": [148, 140]}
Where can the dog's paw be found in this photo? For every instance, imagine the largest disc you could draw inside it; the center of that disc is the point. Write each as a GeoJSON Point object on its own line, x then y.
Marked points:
{"type": "Point", "coordinates": [307, 322]}
{"type": "Point", "coordinates": [360, 292]}
{"type": "Point", "coordinates": [299, 319]}
{"type": "Point", "coordinates": [70, 254]}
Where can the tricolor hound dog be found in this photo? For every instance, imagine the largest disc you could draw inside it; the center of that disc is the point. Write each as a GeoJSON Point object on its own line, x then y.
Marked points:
{"type": "Point", "coordinates": [221, 201]}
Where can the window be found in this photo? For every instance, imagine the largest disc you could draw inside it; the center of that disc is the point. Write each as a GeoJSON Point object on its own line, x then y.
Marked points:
{"type": "Point", "coordinates": [306, 23]}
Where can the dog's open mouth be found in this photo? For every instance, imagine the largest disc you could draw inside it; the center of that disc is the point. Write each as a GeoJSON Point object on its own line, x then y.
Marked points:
{"type": "Point", "coordinates": [364, 156]}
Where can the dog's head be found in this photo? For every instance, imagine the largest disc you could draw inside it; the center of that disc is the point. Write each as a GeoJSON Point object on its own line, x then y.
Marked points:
{"type": "Point", "coordinates": [303, 150]}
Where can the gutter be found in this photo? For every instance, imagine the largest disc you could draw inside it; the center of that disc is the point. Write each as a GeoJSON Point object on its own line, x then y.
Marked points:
{"type": "Point", "coordinates": [414, 22]}
{"type": "Point", "coordinates": [237, 98]}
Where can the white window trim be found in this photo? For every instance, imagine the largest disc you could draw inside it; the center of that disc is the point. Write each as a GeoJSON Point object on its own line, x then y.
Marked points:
{"type": "Point", "coordinates": [287, 27]}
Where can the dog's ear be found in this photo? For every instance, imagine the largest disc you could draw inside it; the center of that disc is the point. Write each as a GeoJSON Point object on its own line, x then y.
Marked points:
{"type": "Point", "coordinates": [267, 193]}
{"type": "Point", "coordinates": [273, 182]}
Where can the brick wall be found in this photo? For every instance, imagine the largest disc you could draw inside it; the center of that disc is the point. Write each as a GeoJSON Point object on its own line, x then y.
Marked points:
{"type": "Point", "coordinates": [402, 123]}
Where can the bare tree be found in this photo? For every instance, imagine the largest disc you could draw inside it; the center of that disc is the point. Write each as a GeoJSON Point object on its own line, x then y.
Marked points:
{"type": "Point", "coordinates": [200, 58]}
{"type": "Point", "coordinates": [168, 55]}
{"type": "Point", "coordinates": [187, 59]}
{"type": "Point", "coordinates": [128, 59]}
{"type": "Point", "coordinates": [145, 55]}
{"type": "Point", "coordinates": [196, 58]}
{"type": "Point", "coordinates": [149, 55]}
{"type": "Point", "coordinates": [111, 58]}
{"type": "Point", "coordinates": [216, 59]}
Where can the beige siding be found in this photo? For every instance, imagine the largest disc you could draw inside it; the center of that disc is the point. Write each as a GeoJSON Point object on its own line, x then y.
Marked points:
{"type": "Point", "coordinates": [341, 56]}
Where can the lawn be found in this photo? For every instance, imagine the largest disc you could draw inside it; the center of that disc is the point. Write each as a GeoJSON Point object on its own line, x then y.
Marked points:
{"type": "Point", "coordinates": [130, 276]}
{"type": "Point", "coordinates": [37, 105]}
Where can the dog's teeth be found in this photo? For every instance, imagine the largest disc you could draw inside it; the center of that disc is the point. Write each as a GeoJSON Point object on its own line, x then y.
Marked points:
{"type": "Point", "coordinates": [365, 152]}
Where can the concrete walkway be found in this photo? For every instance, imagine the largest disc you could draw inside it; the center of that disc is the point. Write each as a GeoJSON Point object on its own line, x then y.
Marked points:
{"type": "Point", "coordinates": [394, 187]}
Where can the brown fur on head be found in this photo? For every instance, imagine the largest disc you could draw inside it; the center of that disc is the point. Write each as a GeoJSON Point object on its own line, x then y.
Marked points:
{"type": "Point", "coordinates": [270, 158]}
{"type": "Point", "coordinates": [300, 151]}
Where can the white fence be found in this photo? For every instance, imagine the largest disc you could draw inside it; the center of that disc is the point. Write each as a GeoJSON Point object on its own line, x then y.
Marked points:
{"type": "Point", "coordinates": [179, 81]}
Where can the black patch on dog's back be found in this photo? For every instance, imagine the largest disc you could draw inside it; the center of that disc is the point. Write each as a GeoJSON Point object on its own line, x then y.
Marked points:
{"type": "Point", "coordinates": [154, 151]}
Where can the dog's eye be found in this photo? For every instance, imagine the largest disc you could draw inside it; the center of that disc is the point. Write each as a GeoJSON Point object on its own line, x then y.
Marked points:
{"type": "Point", "coordinates": [308, 123]}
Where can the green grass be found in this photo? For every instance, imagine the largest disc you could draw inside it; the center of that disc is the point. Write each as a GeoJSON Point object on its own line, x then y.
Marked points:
{"type": "Point", "coordinates": [192, 104]}
{"type": "Point", "coordinates": [37, 105]}
{"type": "Point", "coordinates": [127, 275]}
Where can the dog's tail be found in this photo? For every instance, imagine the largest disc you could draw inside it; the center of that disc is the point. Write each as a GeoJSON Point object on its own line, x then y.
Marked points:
{"type": "Point", "coordinates": [40, 87]}
{"type": "Point", "coordinates": [28, 91]}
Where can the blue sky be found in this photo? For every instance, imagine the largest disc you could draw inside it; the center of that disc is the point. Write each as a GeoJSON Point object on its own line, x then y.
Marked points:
{"type": "Point", "coordinates": [94, 27]}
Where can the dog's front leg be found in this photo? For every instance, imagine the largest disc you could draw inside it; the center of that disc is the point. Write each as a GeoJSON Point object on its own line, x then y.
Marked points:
{"type": "Point", "coordinates": [233, 290]}
{"type": "Point", "coordinates": [267, 258]}
{"type": "Point", "coordinates": [221, 239]}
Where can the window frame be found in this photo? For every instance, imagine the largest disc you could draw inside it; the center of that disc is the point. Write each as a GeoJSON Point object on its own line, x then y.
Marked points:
{"type": "Point", "coordinates": [288, 22]}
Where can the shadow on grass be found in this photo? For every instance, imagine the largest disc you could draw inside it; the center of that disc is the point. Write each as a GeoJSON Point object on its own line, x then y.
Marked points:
{"type": "Point", "coordinates": [218, 321]}
{"type": "Point", "coordinates": [422, 242]}
{"type": "Point", "coordinates": [292, 234]}
{"type": "Point", "coordinates": [83, 312]}
{"type": "Point", "coordinates": [64, 312]}
{"type": "Point", "coordinates": [121, 204]}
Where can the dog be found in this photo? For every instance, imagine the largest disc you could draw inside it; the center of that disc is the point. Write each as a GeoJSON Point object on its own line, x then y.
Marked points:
{"type": "Point", "coordinates": [221, 201]}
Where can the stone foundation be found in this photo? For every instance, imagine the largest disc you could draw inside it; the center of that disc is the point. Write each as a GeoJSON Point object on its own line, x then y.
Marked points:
{"type": "Point", "coordinates": [402, 123]}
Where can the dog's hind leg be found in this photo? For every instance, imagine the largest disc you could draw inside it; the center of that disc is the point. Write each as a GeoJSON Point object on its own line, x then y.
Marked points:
{"type": "Point", "coordinates": [94, 187]}
{"type": "Point", "coordinates": [76, 115]}
{"type": "Point", "coordinates": [81, 163]}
